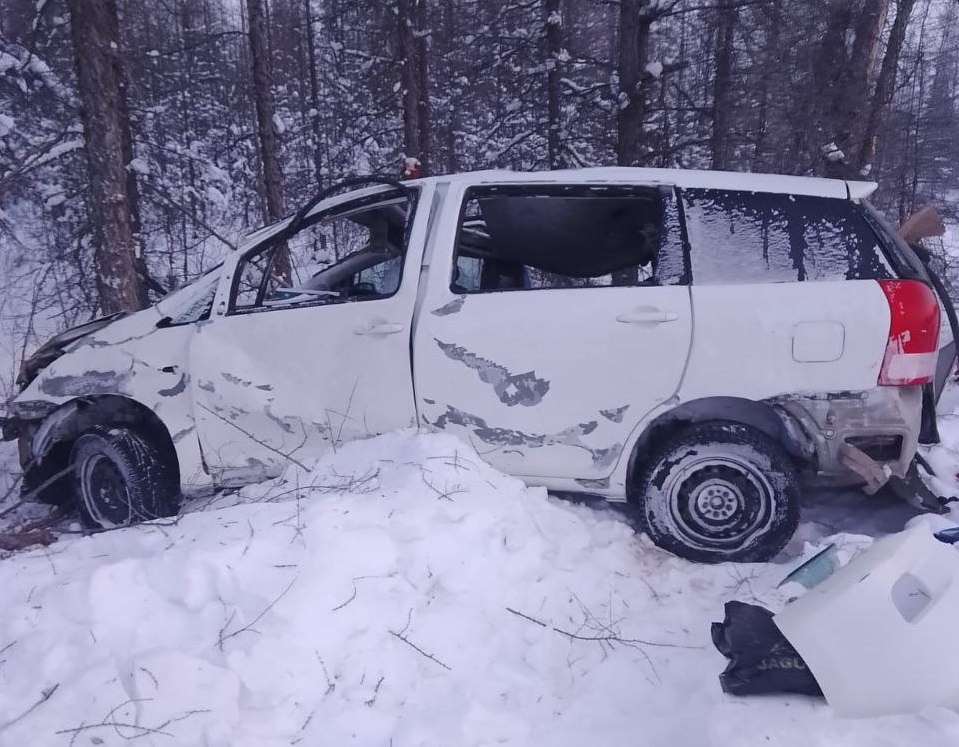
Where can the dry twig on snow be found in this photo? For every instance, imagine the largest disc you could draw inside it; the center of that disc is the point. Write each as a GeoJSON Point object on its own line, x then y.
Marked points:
{"type": "Point", "coordinates": [221, 638]}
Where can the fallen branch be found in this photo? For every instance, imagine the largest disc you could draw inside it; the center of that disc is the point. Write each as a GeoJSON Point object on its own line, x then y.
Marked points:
{"type": "Point", "coordinates": [376, 690]}
{"type": "Point", "coordinates": [14, 485]}
{"type": "Point", "coordinates": [441, 494]}
{"type": "Point", "coordinates": [527, 617]}
{"type": "Point", "coordinates": [353, 595]}
{"type": "Point", "coordinates": [338, 607]}
{"type": "Point", "coordinates": [141, 730]}
{"type": "Point", "coordinates": [330, 684]}
{"type": "Point", "coordinates": [602, 638]}
{"type": "Point", "coordinates": [45, 695]}
{"type": "Point", "coordinates": [412, 645]}
{"type": "Point", "coordinates": [618, 639]}
{"type": "Point", "coordinates": [249, 627]}
{"type": "Point", "coordinates": [34, 492]}
{"type": "Point", "coordinates": [249, 541]}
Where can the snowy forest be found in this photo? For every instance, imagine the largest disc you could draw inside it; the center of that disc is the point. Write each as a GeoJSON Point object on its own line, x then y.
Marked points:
{"type": "Point", "coordinates": [356, 518]}
{"type": "Point", "coordinates": [208, 118]}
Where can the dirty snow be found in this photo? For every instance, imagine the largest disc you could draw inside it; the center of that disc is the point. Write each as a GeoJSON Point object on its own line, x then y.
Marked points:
{"type": "Point", "coordinates": [401, 593]}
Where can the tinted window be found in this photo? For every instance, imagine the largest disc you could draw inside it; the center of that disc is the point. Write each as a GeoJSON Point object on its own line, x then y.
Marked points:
{"type": "Point", "coordinates": [529, 238]}
{"type": "Point", "coordinates": [743, 237]}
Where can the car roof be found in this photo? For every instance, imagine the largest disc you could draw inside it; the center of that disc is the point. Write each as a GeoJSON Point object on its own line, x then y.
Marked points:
{"type": "Point", "coordinates": [683, 178]}
{"type": "Point", "coordinates": [617, 175]}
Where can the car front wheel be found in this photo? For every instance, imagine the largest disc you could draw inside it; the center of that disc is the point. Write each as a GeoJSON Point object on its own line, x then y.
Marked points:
{"type": "Point", "coordinates": [120, 478]}
{"type": "Point", "coordinates": [718, 492]}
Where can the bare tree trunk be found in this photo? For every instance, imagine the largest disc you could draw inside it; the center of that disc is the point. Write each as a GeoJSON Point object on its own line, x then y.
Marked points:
{"type": "Point", "coordinates": [884, 84]}
{"type": "Point", "coordinates": [413, 74]}
{"type": "Point", "coordinates": [449, 30]}
{"type": "Point", "coordinates": [423, 70]}
{"type": "Point", "coordinates": [314, 95]}
{"type": "Point", "coordinates": [633, 56]}
{"type": "Point", "coordinates": [95, 33]}
{"type": "Point", "coordinates": [723, 83]}
{"type": "Point", "coordinates": [265, 111]}
{"type": "Point", "coordinates": [868, 31]}
{"type": "Point", "coordinates": [846, 79]}
{"type": "Point", "coordinates": [266, 125]}
{"type": "Point", "coordinates": [554, 41]}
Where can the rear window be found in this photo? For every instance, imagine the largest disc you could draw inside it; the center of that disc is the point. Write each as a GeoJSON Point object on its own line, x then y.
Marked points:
{"type": "Point", "coordinates": [745, 237]}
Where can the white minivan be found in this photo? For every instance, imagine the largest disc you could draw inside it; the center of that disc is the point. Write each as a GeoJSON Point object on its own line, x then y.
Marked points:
{"type": "Point", "coordinates": [696, 343]}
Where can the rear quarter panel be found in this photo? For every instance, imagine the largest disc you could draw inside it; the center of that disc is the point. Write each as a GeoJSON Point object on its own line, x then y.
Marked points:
{"type": "Point", "coordinates": [762, 340]}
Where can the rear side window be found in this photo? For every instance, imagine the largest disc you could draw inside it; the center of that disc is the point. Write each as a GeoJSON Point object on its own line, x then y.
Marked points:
{"type": "Point", "coordinates": [745, 237]}
{"type": "Point", "coordinates": [534, 238]}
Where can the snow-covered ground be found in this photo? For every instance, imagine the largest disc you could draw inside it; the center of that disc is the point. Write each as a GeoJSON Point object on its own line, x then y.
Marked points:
{"type": "Point", "coordinates": [402, 593]}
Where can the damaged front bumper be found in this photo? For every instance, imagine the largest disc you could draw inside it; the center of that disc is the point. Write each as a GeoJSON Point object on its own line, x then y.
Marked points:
{"type": "Point", "coordinates": [856, 437]}
{"type": "Point", "coordinates": [875, 633]}
{"type": "Point", "coordinates": [18, 419]}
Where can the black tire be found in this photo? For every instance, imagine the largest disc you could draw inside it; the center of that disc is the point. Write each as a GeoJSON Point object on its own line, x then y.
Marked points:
{"type": "Point", "coordinates": [718, 492]}
{"type": "Point", "coordinates": [119, 478]}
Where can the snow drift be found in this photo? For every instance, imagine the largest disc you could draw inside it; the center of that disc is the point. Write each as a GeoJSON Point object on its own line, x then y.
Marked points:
{"type": "Point", "coordinates": [401, 593]}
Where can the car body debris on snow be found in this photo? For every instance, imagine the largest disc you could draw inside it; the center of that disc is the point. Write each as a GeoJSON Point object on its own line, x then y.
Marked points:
{"type": "Point", "coordinates": [872, 636]}
{"type": "Point", "coordinates": [875, 634]}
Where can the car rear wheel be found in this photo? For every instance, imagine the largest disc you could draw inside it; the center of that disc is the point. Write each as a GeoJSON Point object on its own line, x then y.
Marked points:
{"type": "Point", "coordinates": [718, 492]}
{"type": "Point", "coordinates": [120, 478]}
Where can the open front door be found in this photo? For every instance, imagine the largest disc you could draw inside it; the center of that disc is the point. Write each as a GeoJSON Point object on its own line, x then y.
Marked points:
{"type": "Point", "coordinates": [294, 363]}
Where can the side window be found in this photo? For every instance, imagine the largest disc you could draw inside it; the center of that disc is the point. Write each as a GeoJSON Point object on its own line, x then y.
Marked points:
{"type": "Point", "coordinates": [746, 237]}
{"type": "Point", "coordinates": [352, 253]}
{"type": "Point", "coordinates": [533, 238]}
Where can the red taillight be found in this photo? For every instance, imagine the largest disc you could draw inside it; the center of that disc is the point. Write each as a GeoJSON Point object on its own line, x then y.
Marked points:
{"type": "Point", "coordinates": [913, 333]}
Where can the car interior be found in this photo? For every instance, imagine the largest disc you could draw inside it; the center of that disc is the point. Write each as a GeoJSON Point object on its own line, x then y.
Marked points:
{"type": "Point", "coordinates": [527, 241]}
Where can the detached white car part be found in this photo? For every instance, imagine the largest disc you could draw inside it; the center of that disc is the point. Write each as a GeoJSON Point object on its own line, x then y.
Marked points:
{"type": "Point", "coordinates": [876, 633]}
{"type": "Point", "coordinates": [694, 342]}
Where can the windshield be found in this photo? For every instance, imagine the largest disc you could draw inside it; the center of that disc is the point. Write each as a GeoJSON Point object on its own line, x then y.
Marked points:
{"type": "Point", "coordinates": [192, 302]}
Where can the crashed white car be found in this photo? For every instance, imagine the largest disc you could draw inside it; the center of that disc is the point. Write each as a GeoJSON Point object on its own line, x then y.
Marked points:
{"type": "Point", "coordinates": [692, 342]}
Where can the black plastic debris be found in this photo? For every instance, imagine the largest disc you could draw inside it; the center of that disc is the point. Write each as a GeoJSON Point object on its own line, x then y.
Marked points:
{"type": "Point", "coordinates": [761, 660]}
{"type": "Point", "coordinates": [949, 536]}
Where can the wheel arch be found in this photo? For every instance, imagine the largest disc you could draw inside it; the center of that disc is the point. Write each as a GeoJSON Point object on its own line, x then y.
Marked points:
{"type": "Point", "coordinates": [51, 442]}
{"type": "Point", "coordinates": [762, 416]}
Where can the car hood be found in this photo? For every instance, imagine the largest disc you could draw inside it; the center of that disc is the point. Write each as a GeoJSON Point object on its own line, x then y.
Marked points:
{"type": "Point", "coordinates": [56, 345]}
{"type": "Point", "coordinates": [183, 306]}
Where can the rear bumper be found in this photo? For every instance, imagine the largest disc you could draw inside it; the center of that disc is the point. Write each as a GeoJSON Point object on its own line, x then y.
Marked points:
{"type": "Point", "coordinates": [857, 437]}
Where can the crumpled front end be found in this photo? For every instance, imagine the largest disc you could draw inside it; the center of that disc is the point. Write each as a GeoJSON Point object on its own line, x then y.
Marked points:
{"type": "Point", "coordinates": [133, 371]}
{"type": "Point", "coordinates": [56, 346]}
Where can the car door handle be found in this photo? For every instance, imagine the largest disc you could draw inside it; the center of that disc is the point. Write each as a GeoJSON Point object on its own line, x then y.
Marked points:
{"type": "Point", "coordinates": [647, 316]}
{"type": "Point", "coordinates": [379, 328]}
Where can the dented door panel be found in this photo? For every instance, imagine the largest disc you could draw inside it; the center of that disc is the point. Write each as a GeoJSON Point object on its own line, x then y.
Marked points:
{"type": "Point", "coordinates": [545, 383]}
{"type": "Point", "coordinates": [282, 385]}
{"type": "Point", "coordinates": [549, 383]}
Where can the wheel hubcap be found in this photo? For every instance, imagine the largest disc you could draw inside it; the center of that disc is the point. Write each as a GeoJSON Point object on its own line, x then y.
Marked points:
{"type": "Point", "coordinates": [719, 502]}
{"type": "Point", "coordinates": [104, 491]}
